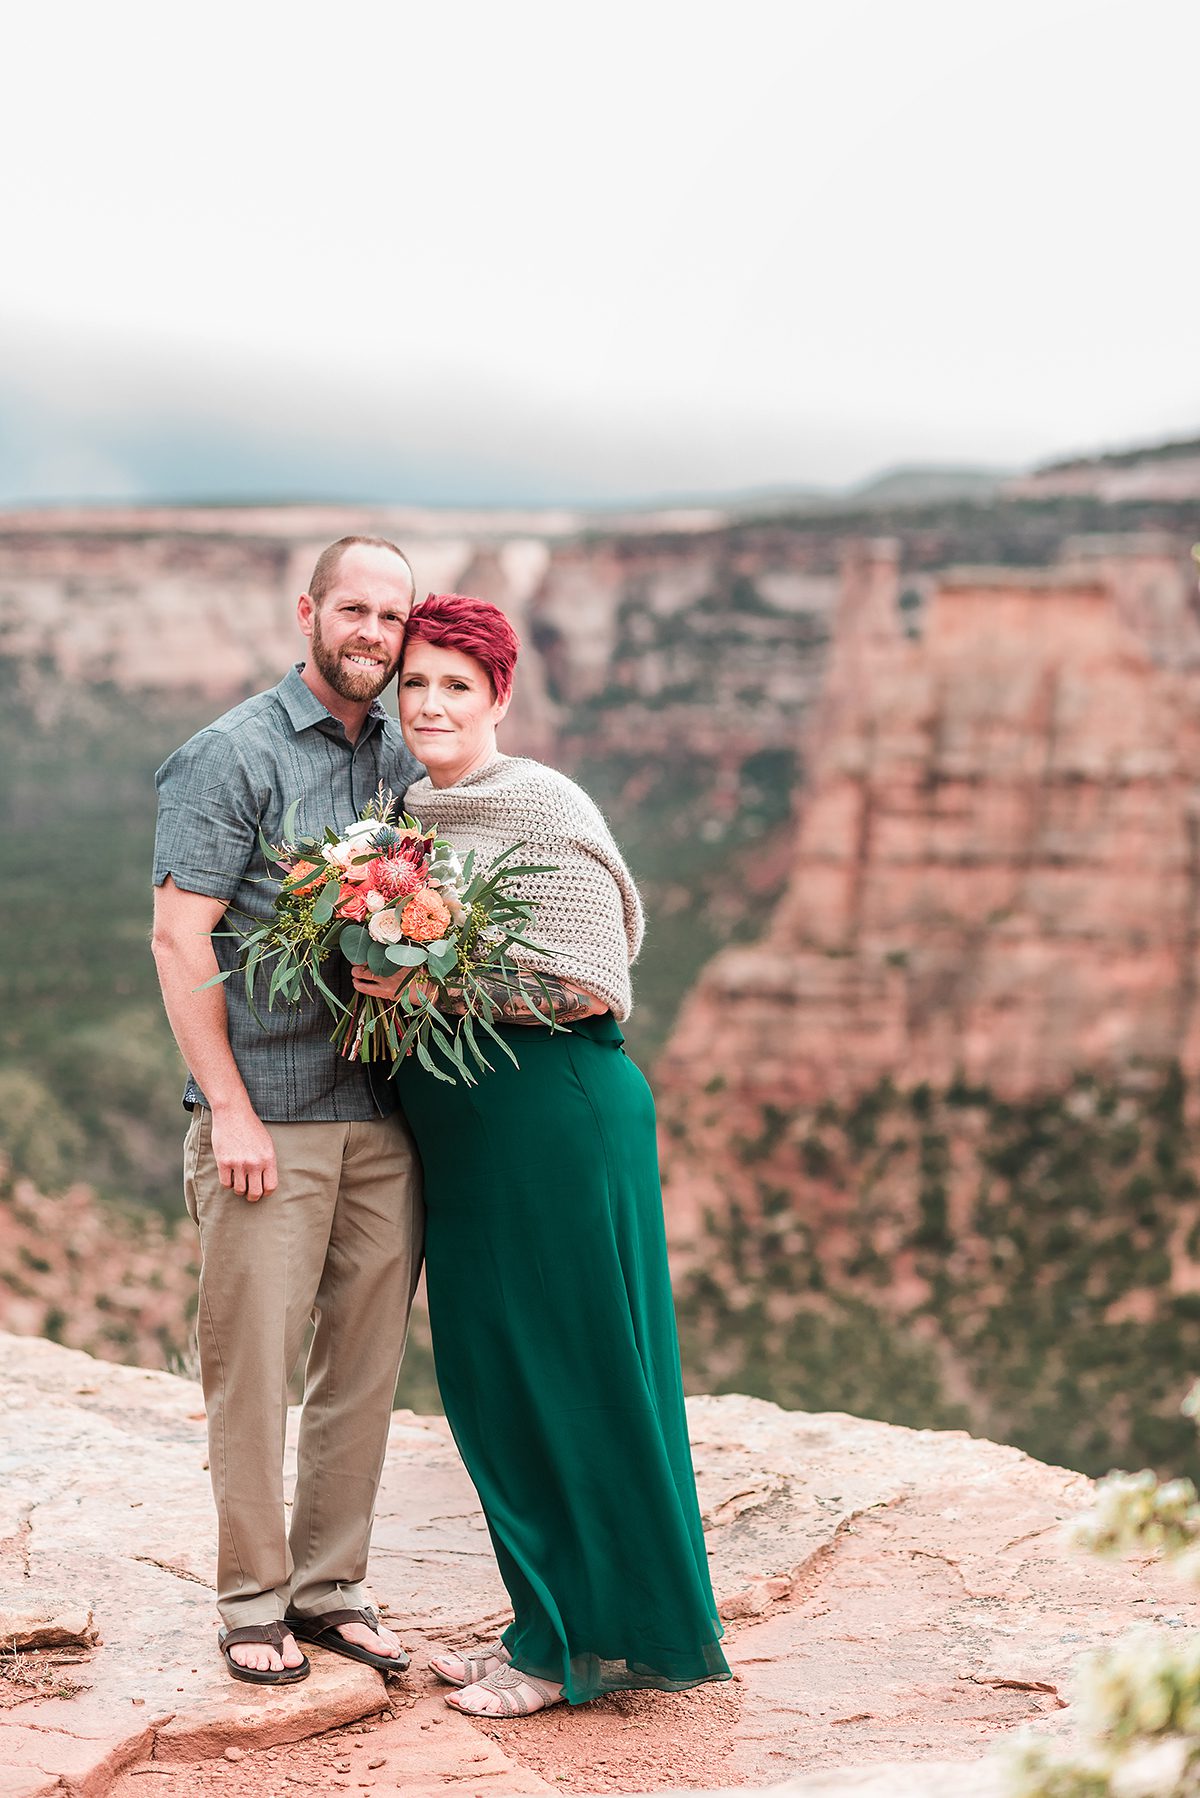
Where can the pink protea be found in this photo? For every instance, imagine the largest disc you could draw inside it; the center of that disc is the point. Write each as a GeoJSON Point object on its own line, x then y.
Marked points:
{"type": "Point", "coordinates": [394, 876]}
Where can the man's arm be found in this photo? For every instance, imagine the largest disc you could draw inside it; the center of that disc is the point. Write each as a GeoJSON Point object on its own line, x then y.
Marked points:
{"type": "Point", "coordinates": [183, 954]}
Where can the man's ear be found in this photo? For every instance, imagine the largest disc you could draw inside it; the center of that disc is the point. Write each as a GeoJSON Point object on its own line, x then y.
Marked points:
{"type": "Point", "coordinates": [306, 613]}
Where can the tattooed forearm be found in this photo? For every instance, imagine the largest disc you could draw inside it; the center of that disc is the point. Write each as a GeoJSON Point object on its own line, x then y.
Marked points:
{"type": "Point", "coordinates": [525, 998]}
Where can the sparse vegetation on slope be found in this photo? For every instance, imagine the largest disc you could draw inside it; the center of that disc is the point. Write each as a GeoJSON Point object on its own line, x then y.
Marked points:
{"type": "Point", "coordinates": [1026, 1270]}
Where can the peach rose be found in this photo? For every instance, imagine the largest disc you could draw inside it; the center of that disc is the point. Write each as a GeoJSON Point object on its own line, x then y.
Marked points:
{"type": "Point", "coordinates": [352, 903]}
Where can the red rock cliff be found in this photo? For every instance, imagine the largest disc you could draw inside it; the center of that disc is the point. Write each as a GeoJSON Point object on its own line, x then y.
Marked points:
{"type": "Point", "coordinates": [997, 860]}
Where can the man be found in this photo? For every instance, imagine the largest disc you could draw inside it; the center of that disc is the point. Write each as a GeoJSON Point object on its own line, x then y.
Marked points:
{"type": "Point", "coordinates": [298, 1170]}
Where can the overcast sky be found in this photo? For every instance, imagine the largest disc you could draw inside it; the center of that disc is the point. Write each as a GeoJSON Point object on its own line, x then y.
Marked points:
{"type": "Point", "coordinates": [537, 252]}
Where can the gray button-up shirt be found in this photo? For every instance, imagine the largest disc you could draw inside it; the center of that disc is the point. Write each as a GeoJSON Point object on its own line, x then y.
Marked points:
{"type": "Point", "coordinates": [228, 782]}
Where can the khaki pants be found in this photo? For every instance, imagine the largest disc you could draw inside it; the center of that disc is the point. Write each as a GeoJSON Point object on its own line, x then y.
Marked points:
{"type": "Point", "coordinates": [339, 1242]}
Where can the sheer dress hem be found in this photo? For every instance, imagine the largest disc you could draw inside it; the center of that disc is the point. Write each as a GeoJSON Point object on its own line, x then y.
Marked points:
{"type": "Point", "coordinates": [589, 1676]}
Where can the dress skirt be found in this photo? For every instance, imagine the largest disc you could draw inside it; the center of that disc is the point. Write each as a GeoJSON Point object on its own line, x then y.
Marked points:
{"type": "Point", "coordinates": [557, 1358]}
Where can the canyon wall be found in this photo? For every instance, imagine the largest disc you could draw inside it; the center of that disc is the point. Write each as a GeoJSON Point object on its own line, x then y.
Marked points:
{"type": "Point", "coordinates": [921, 859]}
{"type": "Point", "coordinates": [668, 662]}
{"type": "Point", "coordinates": [201, 604]}
{"type": "Point", "coordinates": [930, 1141]}
{"type": "Point", "coordinates": [996, 868]}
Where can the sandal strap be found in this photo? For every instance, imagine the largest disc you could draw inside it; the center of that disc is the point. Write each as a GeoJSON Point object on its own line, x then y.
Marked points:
{"type": "Point", "coordinates": [505, 1684]}
{"type": "Point", "coordinates": [271, 1634]}
{"type": "Point", "coordinates": [477, 1660]}
{"type": "Point", "coordinates": [331, 1619]}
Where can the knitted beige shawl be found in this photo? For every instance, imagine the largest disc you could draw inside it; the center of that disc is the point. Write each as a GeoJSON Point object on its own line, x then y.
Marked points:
{"type": "Point", "coordinates": [589, 916]}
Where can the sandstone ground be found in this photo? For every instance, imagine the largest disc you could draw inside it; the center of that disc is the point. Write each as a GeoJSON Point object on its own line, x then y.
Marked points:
{"type": "Point", "coordinates": [892, 1598]}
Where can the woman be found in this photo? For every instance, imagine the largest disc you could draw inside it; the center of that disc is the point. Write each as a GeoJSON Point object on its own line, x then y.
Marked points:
{"type": "Point", "coordinates": [549, 1298]}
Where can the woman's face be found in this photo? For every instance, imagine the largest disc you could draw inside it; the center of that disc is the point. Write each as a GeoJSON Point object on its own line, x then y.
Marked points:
{"type": "Point", "coordinates": [448, 712]}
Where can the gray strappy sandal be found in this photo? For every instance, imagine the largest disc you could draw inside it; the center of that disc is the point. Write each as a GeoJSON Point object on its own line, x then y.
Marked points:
{"type": "Point", "coordinates": [479, 1662]}
{"type": "Point", "coordinates": [505, 1684]}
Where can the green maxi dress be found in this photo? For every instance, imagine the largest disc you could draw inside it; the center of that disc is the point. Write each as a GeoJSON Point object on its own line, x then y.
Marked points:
{"type": "Point", "coordinates": [558, 1362]}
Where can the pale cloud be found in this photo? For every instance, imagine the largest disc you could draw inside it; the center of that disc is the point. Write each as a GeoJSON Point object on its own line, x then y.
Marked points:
{"type": "Point", "coordinates": [541, 251]}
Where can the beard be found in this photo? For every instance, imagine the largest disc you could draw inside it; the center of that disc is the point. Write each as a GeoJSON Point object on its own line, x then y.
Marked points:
{"type": "Point", "coordinates": [347, 681]}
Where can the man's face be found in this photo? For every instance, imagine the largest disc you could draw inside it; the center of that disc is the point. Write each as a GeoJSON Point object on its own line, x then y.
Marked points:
{"type": "Point", "coordinates": [357, 631]}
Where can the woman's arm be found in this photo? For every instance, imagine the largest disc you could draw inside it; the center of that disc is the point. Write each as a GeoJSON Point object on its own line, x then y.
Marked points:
{"type": "Point", "coordinates": [522, 998]}
{"type": "Point", "coordinates": [527, 998]}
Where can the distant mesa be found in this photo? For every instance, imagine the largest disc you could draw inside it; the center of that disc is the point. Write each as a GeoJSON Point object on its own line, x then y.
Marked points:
{"type": "Point", "coordinates": [996, 870]}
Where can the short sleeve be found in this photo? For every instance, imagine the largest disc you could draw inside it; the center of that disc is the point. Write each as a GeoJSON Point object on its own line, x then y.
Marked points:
{"type": "Point", "coordinates": [208, 817]}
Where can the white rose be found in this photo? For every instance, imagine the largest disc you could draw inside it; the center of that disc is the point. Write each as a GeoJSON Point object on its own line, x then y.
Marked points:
{"type": "Point", "coordinates": [374, 901]}
{"type": "Point", "coordinates": [362, 827]}
{"type": "Point", "coordinates": [350, 859]}
{"type": "Point", "coordinates": [384, 927]}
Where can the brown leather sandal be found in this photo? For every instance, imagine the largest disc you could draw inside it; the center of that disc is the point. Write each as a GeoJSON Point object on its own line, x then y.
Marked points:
{"type": "Point", "coordinates": [272, 1634]}
{"type": "Point", "coordinates": [322, 1632]}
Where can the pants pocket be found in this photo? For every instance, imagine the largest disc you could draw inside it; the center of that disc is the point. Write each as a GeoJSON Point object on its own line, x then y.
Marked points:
{"type": "Point", "coordinates": [191, 1160]}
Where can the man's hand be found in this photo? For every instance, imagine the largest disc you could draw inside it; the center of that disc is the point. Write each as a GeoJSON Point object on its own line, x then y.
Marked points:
{"type": "Point", "coordinates": [244, 1153]}
{"type": "Point", "coordinates": [183, 951]}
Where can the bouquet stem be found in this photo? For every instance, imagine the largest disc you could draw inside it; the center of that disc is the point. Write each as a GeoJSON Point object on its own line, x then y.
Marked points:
{"type": "Point", "coordinates": [360, 1034]}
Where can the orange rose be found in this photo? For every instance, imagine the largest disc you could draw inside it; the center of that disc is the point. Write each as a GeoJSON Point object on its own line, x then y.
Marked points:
{"type": "Point", "coordinates": [426, 918]}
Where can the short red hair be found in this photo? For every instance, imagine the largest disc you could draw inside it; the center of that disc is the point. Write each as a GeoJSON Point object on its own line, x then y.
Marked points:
{"type": "Point", "coordinates": [474, 627]}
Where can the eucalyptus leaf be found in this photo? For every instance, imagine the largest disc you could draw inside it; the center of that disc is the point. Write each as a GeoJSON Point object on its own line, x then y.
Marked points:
{"type": "Point", "coordinates": [426, 1061]}
{"type": "Point", "coordinates": [472, 1043]}
{"type": "Point", "coordinates": [406, 1041]}
{"type": "Point", "coordinates": [486, 1024]}
{"type": "Point", "coordinates": [354, 943]}
{"type": "Point", "coordinates": [330, 997]}
{"type": "Point", "coordinates": [215, 980]}
{"type": "Point", "coordinates": [448, 1046]}
{"type": "Point", "coordinates": [405, 955]}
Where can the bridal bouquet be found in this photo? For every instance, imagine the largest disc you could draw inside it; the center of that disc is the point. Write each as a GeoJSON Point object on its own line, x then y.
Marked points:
{"type": "Point", "coordinates": [390, 894]}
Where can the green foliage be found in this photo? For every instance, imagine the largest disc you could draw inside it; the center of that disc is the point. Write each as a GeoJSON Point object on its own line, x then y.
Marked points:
{"type": "Point", "coordinates": [89, 1075]}
{"type": "Point", "coordinates": [1040, 1241]}
{"type": "Point", "coordinates": [40, 1138]}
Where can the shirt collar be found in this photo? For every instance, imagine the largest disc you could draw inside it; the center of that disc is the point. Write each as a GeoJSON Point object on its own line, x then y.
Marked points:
{"type": "Point", "coordinates": [305, 710]}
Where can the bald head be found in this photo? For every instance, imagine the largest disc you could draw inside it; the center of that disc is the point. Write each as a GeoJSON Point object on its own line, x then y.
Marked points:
{"type": "Point", "coordinates": [330, 560]}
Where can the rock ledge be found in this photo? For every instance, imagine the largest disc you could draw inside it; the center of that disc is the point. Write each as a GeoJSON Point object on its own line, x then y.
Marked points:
{"type": "Point", "coordinates": [894, 1599]}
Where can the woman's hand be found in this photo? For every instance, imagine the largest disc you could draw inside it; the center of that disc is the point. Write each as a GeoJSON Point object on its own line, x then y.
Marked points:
{"type": "Point", "coordinates": [389, 986]}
